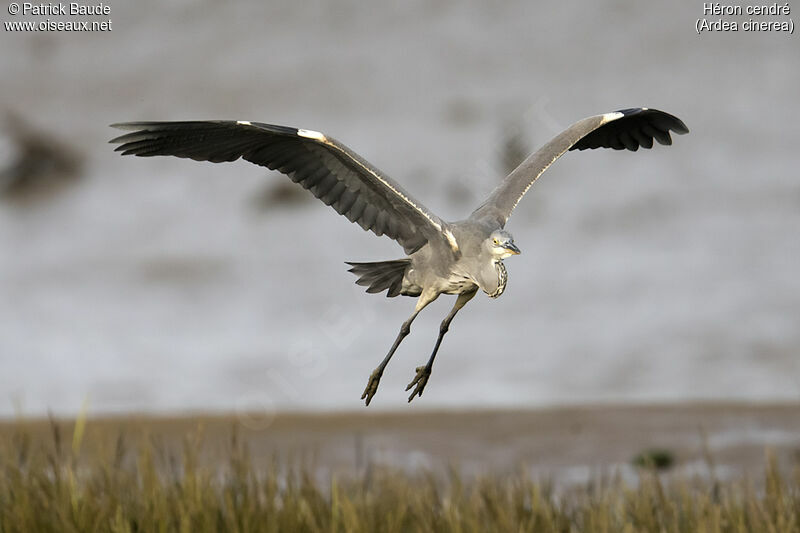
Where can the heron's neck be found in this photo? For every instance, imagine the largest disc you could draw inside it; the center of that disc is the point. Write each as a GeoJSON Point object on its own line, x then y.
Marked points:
{"type": "Point", "coordinates": [502, 278]}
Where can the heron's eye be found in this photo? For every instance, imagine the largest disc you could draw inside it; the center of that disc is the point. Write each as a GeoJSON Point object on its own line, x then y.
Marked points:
{"type": "Point", "coordinates": [496, 242]}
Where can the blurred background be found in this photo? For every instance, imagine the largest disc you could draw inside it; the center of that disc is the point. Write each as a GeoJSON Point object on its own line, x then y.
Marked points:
{"type": "Point", "coordinates": [153, 285]}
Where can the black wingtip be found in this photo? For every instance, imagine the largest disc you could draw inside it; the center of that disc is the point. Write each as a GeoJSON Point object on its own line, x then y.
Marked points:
{"type": "Point", "coordinates": [118, 126]}
{"type": "Point", "coordinates": [632, 128]}
{"type": "Point", "coordinates": [675, 124]}
{"type": "Point", "coordinates": [680, 128]}
{"type": "Point", "coordinates": [131, 126]}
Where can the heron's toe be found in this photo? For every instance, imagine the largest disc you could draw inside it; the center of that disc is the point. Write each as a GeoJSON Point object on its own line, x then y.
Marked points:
{"type": "Point", "coordinates": [419, 381]}
{"type": "Point", "coordinates": [372, 386]}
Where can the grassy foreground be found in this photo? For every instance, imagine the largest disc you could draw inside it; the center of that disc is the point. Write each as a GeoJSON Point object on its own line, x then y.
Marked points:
{"type": "Point", "coordinates": [136, 484]}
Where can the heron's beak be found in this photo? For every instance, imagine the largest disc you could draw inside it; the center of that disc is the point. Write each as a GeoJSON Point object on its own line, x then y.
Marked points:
{"type": "Point", "coordinates": [511, 247]}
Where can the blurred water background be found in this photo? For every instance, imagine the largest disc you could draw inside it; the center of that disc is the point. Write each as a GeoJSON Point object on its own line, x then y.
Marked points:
{"type": "Point", "coordinates": [167, 285]}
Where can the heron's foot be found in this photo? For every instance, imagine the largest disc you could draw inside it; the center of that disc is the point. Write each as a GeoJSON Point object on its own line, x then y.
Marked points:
{"type": "Point", "coordinates": [419, 382]}
{"type": "Point", "coordinates": [372, 385]}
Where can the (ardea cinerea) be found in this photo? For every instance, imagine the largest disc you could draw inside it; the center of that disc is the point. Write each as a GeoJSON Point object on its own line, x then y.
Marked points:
{"type": "Point", "coordinates": [442, 257]}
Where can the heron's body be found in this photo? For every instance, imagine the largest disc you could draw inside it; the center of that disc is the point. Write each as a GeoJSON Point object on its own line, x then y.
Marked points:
{"type": "Point", "coordinates": [444, 269]}
{"type": "Point", "coordinates": [457, 258]}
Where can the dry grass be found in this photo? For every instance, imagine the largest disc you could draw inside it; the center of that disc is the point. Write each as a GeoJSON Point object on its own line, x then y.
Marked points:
{"type": "Point", "coordinates": [137, 484]}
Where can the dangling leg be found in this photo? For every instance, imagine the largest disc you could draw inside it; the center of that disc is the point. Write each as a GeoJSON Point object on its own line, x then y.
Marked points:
{"type": "Point", "coordinates": [372, 385]}
{"type": "Point", "coordinates": [424, 372]}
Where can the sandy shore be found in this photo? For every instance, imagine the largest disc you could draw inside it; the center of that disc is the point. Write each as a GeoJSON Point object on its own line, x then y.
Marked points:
{"type": "Point", "coordinates": [571, 444]}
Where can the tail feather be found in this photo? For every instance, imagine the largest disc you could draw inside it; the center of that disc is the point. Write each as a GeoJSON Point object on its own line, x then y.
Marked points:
{"type": "Point", "coordinates": [381, 276]}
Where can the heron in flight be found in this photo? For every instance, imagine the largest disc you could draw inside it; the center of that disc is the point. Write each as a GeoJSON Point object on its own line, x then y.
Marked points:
{"type": "Point", "coordinates": [442, 257]}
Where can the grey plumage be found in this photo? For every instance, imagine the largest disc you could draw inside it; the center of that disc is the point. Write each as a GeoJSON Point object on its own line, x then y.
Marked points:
{"type": "Point", "coordinates": [331, 171]}
{"type": "Point", "coordinates": [383, 276]}
{"type": "Point", "coordinates": [442, 258]}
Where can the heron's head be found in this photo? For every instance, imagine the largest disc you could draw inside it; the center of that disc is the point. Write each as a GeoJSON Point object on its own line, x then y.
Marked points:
{"type": "Point", "coordinates": [501, 244]}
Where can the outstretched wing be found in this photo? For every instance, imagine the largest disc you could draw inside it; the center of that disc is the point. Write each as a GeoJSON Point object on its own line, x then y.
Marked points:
{"type": "Point", "coordinates": [625, 129]}
{"type": "Point", "coordinates": [331, 171]}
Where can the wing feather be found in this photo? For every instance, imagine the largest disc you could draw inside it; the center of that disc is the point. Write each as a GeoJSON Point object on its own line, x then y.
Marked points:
{"type": "Point", "coordinates": [332, 172]}
{"type": "Point", "coordinates": [626, 129]}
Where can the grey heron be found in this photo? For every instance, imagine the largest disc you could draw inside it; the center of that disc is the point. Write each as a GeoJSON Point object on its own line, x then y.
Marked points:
{"type": "Point", "coordinates": [456, 258]}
